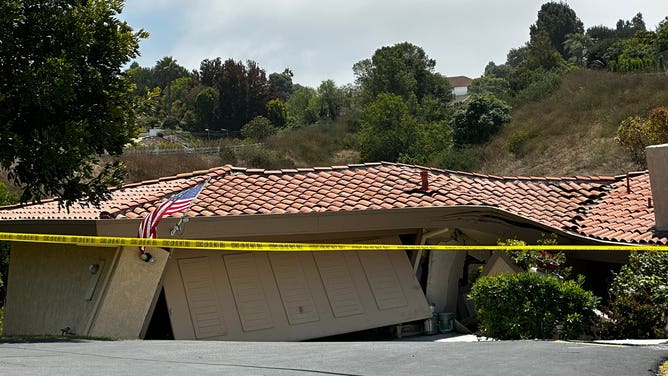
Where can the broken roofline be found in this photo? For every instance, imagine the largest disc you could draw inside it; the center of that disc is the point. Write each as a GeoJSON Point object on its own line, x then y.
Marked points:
{"type": "Point", "coordinates": [325, 225]}
{"type": "Point", "coordinates": [559, 203]}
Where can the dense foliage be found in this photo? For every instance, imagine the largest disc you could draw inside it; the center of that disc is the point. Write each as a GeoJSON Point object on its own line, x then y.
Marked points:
{"type": "Point", "coordinates": [539, 302]}
{"type": "Point", "coordinates": [635, 133]}
{"type": "Point", "coordinates": [639, 305]}
{"type": "Point", "coordinates": [557, 21]}
{"type": "Point", "coordinates": [478, 119]}
{"type": "Point", "coordinates": [404, 70]}
{"type": "Point", "coordinates": [63, 97]}
{"type": "Point", "coordinates": [387, 129]}
{"type": "Point", "coordinates": [529, 305]}
{"type": "Point", "coordinates": [258, 129]}
{"type": "Point", "coordinates": [406, 106]}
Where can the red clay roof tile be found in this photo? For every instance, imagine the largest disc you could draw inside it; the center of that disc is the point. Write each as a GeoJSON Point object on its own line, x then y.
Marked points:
{"type": "Point", "coordinates": [596, 207]}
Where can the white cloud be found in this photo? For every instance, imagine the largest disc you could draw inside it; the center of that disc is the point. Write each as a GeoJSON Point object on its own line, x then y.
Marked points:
{"type": "Point", "coordinates": [320, 40]}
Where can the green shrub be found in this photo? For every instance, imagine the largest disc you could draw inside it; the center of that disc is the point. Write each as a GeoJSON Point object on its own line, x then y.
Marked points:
{"type": "Point", "coordinates": [531, 305]}
{"type": "Point", "coordinates": [227, 156]}
{"type": "Point", "coordinates": [260, 128]}
{"type": "Point", "coordinates": [255, 157]}
{"type": "Point", "coordinates": [6, 196]}
{"type": "Point", "coordinates": [481, 116]}
{"type": "Point", "coordinates": [548, 262]}
{"type": "Point", "coordinates": [517, 143]}
{"type": "Point", "coordinates": [458, 159]}
{"type": "Point", "coordinates": [639, 298]}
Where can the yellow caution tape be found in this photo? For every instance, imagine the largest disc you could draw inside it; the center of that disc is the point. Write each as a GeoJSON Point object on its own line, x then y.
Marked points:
{"type": "Point", "coordinates": [108, 241]}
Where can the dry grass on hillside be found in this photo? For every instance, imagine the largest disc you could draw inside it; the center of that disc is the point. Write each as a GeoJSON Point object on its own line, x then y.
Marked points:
{"type": "Point", "coordinates": [147, 167]}
{"type": "Point", "coordinates": [572, 132]}
{"type": "Point", "coordinates": [315, 145]}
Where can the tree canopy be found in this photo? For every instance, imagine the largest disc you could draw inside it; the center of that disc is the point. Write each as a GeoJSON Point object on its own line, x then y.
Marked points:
{"type": "Point", "coordinates": [403, 69]}
{"type": "Point", "coordinates": [63, 98]}
{"type": "Point", "coordinates": [481, 117]}
{"type": "Point", "coordinates": [387, 129]}
{"type": "Point", "coordinates": [557, 20]}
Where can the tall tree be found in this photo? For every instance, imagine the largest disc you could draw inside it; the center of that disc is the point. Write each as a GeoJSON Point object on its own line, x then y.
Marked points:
{"type": "Point", "coordinates": [331, 100]}
{"type": "Point", "coordinates": [387, 129]}
{"type": "Point", "coordinates": [63, 97]}
{"type": "Point", "coordinates": [167, 70]}
{"type": "Point", "coordinates": [576, 46]}
{"type": "Point", "coordinates": [403, 69]}
{"type": "Point", "coordinates": [557, 20]}
{"type": "Point", "coordinates": [299, 105]}
{"type": "Point", "coordinates": [142, 77]}
{"type": "Point", "coordinates": [210, 71]}
{"type": "Point", "coordinates": [257, 91]}
{"type": "Point", "coordinates": [280, 85]}
{"type": "Point", "coordinates": [206, 102]}
{"type": "Point", "coordinates": [541, 53]}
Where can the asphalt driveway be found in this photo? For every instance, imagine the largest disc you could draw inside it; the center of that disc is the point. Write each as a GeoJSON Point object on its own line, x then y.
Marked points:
{"type": "Point", "coordinates": [328, 358]}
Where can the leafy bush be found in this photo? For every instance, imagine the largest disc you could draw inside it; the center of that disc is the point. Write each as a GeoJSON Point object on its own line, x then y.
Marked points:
{"type": "Point", "coordinates": [635, 133]}
{"type": "Point", "coordinates": [478, 119]}
{"type": "Point", "coordinates": [639, 298]}
{"type": "Point", "coordinates": [517, 143]}
{"type": "Point", "coordinates": [547, 262]}
{"type": "Point", "coordinates": [458, 159]}
{"type": "Point", "coordinates": [531, 305]}
{"type": "Point", "coordinates": [255, 157]}
{"type": "Point", "coordinates": [227, 156]}
{"type": "Point", "coordinates": [6, 196]}
{"type": "Point", "coordinates": [387, 129]}
{"type": "Point", "coordinates": [260, 128]}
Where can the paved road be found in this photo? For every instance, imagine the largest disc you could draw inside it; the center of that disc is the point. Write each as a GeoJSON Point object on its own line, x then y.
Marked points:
{"type": "Point", "coordinates": [327, 358]}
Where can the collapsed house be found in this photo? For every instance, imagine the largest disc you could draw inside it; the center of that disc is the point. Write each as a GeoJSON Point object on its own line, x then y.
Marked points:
{"type": "Point", "coordinates": [225, 295]}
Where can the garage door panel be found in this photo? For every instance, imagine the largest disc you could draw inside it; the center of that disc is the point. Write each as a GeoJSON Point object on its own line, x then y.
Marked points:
{"type": "Point", "coordinates": [205, 312]}
{"type": "Point", "coordinates": [249, 295]}
{"type": "Point", "coordinates": [295, 293]}
{"type": "Point", "coordinates": [338, 282]}
{"type": "Point", "coordinates": [383, 279]}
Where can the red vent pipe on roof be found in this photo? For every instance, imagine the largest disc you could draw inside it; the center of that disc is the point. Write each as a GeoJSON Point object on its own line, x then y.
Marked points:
{"type": "Point", "coordinates": [425, 180]}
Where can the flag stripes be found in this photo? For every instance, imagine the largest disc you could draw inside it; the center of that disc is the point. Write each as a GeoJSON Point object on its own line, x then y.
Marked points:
{"type": "Point", "coordinates": [176, 204]}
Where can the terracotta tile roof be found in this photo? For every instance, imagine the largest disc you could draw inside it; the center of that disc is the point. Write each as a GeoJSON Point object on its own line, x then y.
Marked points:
{"type": "Point", "coordinates": [596, 207]}
{"type": "Point", "coordinates": [460, 81]}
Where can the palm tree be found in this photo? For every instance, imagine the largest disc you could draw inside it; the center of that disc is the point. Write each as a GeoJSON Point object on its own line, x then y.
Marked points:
{"type": "Point", "coordinates": [167, 70]}
{"type": "Point", "coordinates": [576, 45]}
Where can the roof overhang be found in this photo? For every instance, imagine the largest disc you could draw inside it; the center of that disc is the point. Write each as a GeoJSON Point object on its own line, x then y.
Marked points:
{"type": "Point", "coordinates": [328, 224]}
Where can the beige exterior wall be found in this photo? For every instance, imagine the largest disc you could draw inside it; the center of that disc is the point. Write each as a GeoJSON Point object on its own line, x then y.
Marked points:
{"type": "Point", "coordinates": [52, 287]}
{"type": "Point", "coordinates": [445, 270]}
{"type": "Point", "coordinates": [499, 263]}
{"type": "Point", "coordinates": [289, 296]}
{"type": "Point", "coordinates": [657, 160]}
{"type": "Point", "coordinates": [129, 296]}
{"type": "Point", "coordinates": [103, 292]}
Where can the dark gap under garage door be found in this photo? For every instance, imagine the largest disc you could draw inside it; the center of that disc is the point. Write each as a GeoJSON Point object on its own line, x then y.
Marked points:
{"type": "Point", "coordinates": [160, 327]}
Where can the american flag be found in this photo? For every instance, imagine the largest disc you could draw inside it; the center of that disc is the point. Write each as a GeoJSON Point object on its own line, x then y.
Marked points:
{"type": "Point", "coordinates": [176, 204]}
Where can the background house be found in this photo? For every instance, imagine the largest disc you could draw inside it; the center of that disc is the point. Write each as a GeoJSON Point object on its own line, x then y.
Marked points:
{"type": "Point", "coordinates": [460, 87]}
{"type": "Point", "coordinates": [293, 296]}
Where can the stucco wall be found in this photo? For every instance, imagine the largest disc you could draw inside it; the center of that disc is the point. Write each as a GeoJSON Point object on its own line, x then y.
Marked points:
{"type": "Point", "coordinates": [130, 295]}
{"type": "Point", "coordinates": [460, 90]}
{"type": "Point", "coordinates": [52, 287]}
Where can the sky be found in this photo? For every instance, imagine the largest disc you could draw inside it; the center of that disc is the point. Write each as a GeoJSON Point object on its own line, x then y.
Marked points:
{"type": "Point", "coordinates": [320, 40]}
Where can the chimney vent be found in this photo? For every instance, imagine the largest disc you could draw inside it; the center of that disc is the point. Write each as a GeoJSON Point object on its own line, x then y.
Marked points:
{"type": "Point", "coordinates": [425, 181]}
{"type": "Point", "coordinates": [657, 164]}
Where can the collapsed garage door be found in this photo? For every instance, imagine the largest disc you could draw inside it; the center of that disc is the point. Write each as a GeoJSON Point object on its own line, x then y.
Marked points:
{"type": "Point", "coordinates": [279, 296]}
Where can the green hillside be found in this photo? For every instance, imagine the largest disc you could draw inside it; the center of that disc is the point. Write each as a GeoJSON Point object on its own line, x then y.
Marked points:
{"type": "Point", "coordinates": [572, 131]}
